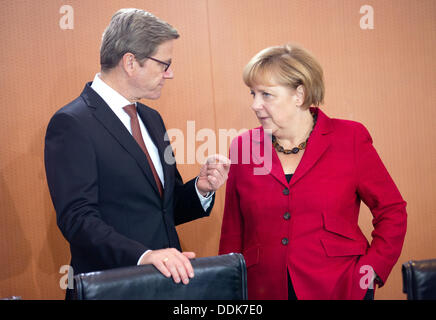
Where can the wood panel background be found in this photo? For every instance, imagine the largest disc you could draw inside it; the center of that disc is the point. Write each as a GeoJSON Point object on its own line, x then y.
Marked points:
{"type": "Point", "coordinates": [384, 78]}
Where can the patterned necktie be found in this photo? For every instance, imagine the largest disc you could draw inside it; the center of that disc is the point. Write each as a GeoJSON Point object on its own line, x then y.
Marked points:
{"type": "Point", "coordinates": [136, 133]}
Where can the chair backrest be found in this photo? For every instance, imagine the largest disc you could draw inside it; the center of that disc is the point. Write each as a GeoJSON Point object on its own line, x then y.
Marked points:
{"type": "Point", "coordinates": [419, 279]}
{"type": "Point", "coordinates": [216, 278]}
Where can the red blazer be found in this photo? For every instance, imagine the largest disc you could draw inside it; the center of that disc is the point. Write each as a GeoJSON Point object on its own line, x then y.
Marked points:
{"type": "Point", "coordinates": [310, 225]}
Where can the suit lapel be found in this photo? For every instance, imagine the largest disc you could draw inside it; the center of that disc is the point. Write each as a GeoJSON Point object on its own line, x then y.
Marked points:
{"type": "Point", "coordinates": [115, 127]}
{"type": "Point", "coordinates": [270, 161]}
{"type": "Point", "coordinates": [157, 134]}
{"type": "Point", "coordinates": [319, 142]}
{"type": "Point", "coordinates": [277, 169]}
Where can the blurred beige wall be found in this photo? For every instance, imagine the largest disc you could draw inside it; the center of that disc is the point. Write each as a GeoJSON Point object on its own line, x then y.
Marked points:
{"type": "Point", "coordinates": [383, 77]}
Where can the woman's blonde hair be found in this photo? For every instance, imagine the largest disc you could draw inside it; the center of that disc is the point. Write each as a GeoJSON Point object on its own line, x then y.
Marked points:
{"type": "Point", "coordinates": [288, 65]}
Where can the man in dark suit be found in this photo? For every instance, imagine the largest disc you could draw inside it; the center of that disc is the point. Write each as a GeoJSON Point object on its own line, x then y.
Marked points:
{"type": "Point", "coordinates": [116, 195]}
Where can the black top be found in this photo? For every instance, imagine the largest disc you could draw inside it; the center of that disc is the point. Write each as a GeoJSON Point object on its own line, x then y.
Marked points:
{"type": "Point", "coordinates": [291, 292]}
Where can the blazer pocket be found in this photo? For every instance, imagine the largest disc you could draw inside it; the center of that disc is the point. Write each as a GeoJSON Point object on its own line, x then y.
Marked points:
{"type": "Point", "coordinates": [343, 247]}
{"type": "Point", "coordinates": [340, 226]}
{"type": "Point", "coordinates": [251, 256]}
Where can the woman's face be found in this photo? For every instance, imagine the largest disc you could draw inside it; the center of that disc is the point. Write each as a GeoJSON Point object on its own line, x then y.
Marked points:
{"type": "Point", "coordinates": [274, 105]}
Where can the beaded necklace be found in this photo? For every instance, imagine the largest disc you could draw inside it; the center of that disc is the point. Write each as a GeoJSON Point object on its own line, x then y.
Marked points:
{"type": "Point", "coordinates": [301, 146]}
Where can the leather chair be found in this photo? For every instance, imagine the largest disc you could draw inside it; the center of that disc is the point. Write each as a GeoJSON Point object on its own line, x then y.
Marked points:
{"type": "Point", "coordinates": [419, 279]}
{"type": "Point", "coordinates": [216, 278]}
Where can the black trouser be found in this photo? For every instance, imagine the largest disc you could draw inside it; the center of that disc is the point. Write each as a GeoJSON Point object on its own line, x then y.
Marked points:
{"type": "Point", "coordinates": [292, 296]}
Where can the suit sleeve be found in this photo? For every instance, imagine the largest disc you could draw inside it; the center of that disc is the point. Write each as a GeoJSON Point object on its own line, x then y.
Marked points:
{"type": "Point", "coordinates": [187, 204]}
{"type": "Point", "coordinates": [379, 192]}
{"type": "Point", "coordinates": [232, 225]}
{"type": "Point", "coordinates": [72, 176]}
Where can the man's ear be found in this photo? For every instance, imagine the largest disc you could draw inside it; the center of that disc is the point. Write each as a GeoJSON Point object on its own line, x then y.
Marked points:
{"type": "Point", "coordinates": [128, 63]}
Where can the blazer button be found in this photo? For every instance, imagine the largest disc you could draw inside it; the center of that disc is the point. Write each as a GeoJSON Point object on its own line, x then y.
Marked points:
{"type": "Point", "coordinates": [285, 241]}
{"type": "Point", "coordinates": [287, 215]}
{"type": "Point", "coordinates": [286, 191]}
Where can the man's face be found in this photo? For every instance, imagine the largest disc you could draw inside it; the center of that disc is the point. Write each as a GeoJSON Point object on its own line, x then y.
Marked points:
{"type": "Point", "coordinates": [147, 81]}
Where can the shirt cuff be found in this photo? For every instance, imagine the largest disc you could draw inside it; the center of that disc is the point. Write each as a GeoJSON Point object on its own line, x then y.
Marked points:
{"type": "Point", "coordinates": [140, 258]}
{"type": "Point", "coordinates": [205, 201]}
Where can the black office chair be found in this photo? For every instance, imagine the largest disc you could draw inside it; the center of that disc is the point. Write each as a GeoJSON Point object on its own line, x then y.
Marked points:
{"type": "Point", "coordinates": [419, 279]}
{"type": "Point", "coordinates": [216, 278]}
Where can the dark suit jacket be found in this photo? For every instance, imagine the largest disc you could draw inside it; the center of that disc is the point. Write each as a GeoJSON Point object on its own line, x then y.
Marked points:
{"type": "Point", "coordinates": [106, 199]}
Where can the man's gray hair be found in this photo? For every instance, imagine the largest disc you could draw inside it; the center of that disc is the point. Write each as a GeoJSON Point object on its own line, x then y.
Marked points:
{"type": "Point", "coordinates": [136, 31]}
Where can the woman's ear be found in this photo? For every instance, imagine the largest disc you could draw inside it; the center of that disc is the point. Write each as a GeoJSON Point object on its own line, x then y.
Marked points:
{"type": "Point", "coordinates": [299, 93]}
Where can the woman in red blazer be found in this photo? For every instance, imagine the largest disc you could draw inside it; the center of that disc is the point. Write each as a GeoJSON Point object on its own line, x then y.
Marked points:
{"type": "Point", "coordinates": [295, 188]}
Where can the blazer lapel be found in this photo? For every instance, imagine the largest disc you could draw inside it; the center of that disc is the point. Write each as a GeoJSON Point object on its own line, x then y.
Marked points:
{"type": "Point", "coordinates": [270, 160]}
{"type": "Point", "coordinates": [110, 121]}
{"type": "Point", "coordinates": [318, 143]}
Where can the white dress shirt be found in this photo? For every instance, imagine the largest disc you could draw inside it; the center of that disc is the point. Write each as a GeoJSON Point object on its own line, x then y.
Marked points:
{"type": "Point", "coordinates": [116, 102]}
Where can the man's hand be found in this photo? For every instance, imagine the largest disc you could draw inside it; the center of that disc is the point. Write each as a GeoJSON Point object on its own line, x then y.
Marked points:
{"type": "Point", "coordinates": [171, 262]}
{"type": "Point", "coordinates": [213, 174]}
